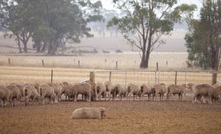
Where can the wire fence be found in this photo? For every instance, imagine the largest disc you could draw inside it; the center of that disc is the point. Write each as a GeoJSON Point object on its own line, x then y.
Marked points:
{"type": "Point", "coordinates": [124, 77]}
{"type": "Point", "coordinates": [155, 77]}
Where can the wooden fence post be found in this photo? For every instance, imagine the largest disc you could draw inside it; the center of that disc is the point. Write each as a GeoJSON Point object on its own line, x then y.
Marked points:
{"type": "Point", "coordinates": [176, 78]}
{"type": "Point", "coordinates": [51, 76]}
{"type": "Point", "coordinates": [157, 67]}
{"type": "Point", "coordinates": [214, 78]}
{"type": "Point", "coordinates": [9, 61]}
{"type": "Point", "coordinates": [116, 64]}
{"type": "Point", "coordinates": [42, 61]}
{"type": "Point", "coordinates": [110, 76]}
{"type": "Point", "coordinates": [78, 63]}
{"type": "Point", "coordinates": [92, 77]}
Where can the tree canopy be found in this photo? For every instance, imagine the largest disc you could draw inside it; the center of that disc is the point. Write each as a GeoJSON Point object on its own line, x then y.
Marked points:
{"type": "Point", "coordinates": [146, 21]}
{"type": "Point", "coordinates": [204, 38]}
{"type": "Point", "coordinates": [48, 22]}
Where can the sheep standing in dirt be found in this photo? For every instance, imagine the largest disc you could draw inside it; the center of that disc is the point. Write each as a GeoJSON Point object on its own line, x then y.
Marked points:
{"type": "Point", "coordinates": [159, 89]}
{"type": "Point", "coordinates": [30, 93]}
{"type": "Point", "coordinates": [132, 89]}
{"type": "Point", "coordinates": [93, 92]}
{"type": "Point", "coordinates": [100, 90]}
{"type": "Point", "coordinates": [19, 86]}
{"type": "Point", "coordinates": [89, 113]}
{"type": "Point", "coordinates": [15, 93]}
{"type": "Point", "coordinates": [47, 92]}
{"type": "Point", "coordinates": [120, 91]}
{"type": "Point", "coordinates": [5, 95]}
{"type": "Point", "coordinates": [203, 90]}
{"type": "Point", "coordinates": [175, 90]}
{"type": "Point", "coordinates": [109, 89]}
{"type": "Point", "coordinates": [82, 88]}
{"type": "Point", "coordinates": [145, 89]}
{"type": "Point", "coordinates": [58, 90]}
{"type": "Point", "coordinates": [217, 94]}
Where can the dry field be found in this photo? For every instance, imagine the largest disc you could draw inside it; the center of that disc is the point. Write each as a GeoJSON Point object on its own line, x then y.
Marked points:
{"type": "Point", "coordinates": [123, 117]}
{"type": "Point", "coordinates": [125, 60]}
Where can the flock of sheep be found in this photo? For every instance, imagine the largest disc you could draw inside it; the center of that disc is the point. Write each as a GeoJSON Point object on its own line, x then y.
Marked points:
{"type": "Point", "coordinates": [90, 91]}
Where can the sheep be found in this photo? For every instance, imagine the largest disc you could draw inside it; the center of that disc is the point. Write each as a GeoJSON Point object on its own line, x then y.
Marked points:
{"type": "Point", "coordinates": [203, 90]}
{"type": "Point", "coordinates": [100, 89]}
{"type": "Point", "coordinates": [19, 86]}
{"type": "Point", "coordinates": [119, 91]}
{"type": "Point", "coordinates": [5, 95]}
{"type": "Point", "coordinates": [175, 89]}
{"type": "Point", "coordinates": [15, 93]}
{"type": "Point", "coordinates": [89, 113]}
{"type": "Point", "coordinates": [47, 92]}
{"type": "Point", "coordinates": [145, 89]}
{"type": "Point", "coordinates": [82, 88]}
{"type": "Point", "coordinates": [30, 92]}
{"type": "Point", "coordinates": [132, 89]}
{"type": "Point", "coordinates": [58, 90]}
{"type": "Point", "coordinates": [159, 89]}
{"type": "Point", "coordinates": [93, 92]}
{"type": "Point", "coordinates": [109, 89]}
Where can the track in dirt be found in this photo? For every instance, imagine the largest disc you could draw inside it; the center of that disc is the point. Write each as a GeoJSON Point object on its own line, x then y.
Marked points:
{"type": "Point", "coordinates": [129, 117]}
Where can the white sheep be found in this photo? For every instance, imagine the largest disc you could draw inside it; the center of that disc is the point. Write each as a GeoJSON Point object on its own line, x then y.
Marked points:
{"type": "Point", "coordinates": [47, 92]}
{"type": "Point", "coordinates": [15, 93]}
{"type": "Point", "coordinates": [100, 90]}
{"type": "Point", "coordinates": [30, 92]}
{"type": "Point", "coordinates": [109, 89]}
{"type": "Point", "coordinates": [146, 89]}
{"type": "Point", "coordinates": [159, 89]}
{"type": "Point", "coordinates": [132, 89]}
{"type": "Point", "coordinates": [89, 113]}
{"type": "Point", "coordinates": [5, 95]}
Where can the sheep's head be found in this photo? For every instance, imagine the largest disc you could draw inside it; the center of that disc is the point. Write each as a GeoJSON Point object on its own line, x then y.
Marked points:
{"type": "Point", "coordinates": [102, 110]}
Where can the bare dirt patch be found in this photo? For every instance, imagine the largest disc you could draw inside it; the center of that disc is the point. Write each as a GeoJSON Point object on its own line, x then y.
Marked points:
{"type": "Point", "coordinates": [122, 117]}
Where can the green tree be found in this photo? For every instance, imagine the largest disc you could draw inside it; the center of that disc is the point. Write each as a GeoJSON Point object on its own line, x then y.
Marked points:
{"type": "Point", "coordinates": [15, 16]}
{"type": "Point", "coordinates": [204, 38]}
{"type": "Point", "coordinates": [146, 21]}
{"type": "Point", "coordinates": [48, 22]}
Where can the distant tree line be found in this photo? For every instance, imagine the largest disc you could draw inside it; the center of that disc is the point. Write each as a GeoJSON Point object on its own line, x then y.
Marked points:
{"type": "Point", "coordinates": [48, 23]}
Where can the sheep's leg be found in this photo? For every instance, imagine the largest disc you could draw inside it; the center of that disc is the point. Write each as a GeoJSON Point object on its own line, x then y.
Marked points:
{"type": "Point", "coordinates": [26, 100]}
{"type": "Point", "coordinates": [2, 102]}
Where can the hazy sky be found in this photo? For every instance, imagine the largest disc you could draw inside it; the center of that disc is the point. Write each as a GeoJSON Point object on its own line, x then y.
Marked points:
{"type": "Point", "coordinates": [108, 4]}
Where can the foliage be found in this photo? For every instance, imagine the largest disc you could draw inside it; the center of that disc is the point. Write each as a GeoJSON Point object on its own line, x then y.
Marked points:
{"type": "Point", "coordinates": [48, 22]}
{"type": "Point", "coordinates": [146, 21]}
{"type": "Point", "coordinates": [204, 39]}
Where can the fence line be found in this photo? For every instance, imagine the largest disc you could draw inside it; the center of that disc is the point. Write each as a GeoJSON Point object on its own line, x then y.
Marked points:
{"type": "Point", "coordinates": [155, 77]}
{"type": "Point", "coordinates": [10, 74]}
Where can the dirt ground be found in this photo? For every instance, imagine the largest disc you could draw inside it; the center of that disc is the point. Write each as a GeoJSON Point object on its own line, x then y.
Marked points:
{"type": "Point", "coordinates": [123, 117]}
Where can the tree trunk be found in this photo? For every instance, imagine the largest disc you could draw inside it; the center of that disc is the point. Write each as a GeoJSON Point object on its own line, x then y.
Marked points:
{"type": "Point", "coordinates": [53, 49]}
{"type": "Point", "coordinates": [44, 46]}
{"type": "Point", "coordinates": [25, 47]}
{"type": "Point", "coordinates": [19, 44]}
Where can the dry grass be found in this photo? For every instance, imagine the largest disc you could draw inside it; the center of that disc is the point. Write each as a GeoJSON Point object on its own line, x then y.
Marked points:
{"type": "Point", "coordinates": [126, 60]}
{"type": "Point", "coordinates": [11, 74]}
